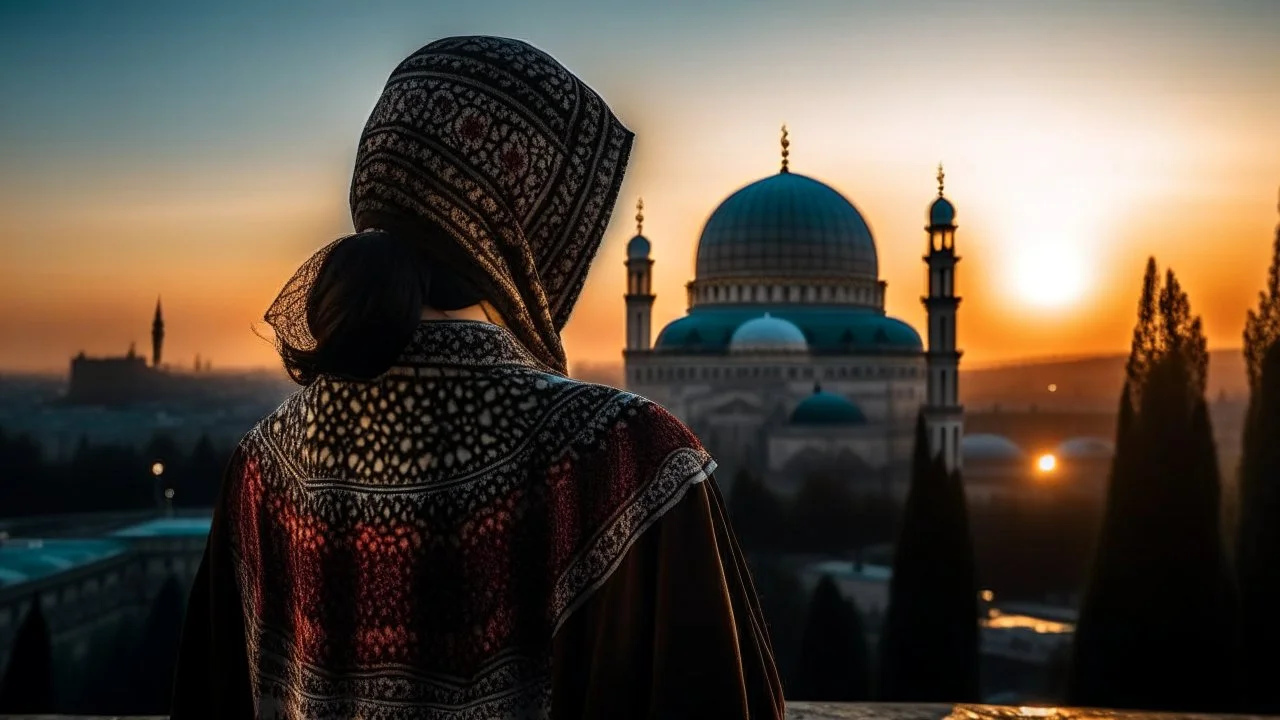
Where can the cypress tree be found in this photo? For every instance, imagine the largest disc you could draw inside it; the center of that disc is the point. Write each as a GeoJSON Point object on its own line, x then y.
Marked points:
{"type": "Point", "coordinates": [929, 644]}
{"type": "Point", "coordinates": [1258, 540]}
{"type": "Point", "coordinates": [784, 604]}
{"type": "Point", "coordinates": [1092, 672]}
{"type": "Point", "coordinates": [835, 665]}
{"type": "Point", "coordinates": [757, 514]}
{"type": "Point", "coordinates": [155, 660]}
{"type": "Point", "coordinates": [1156, 630]}
{"type": "Point", "coordinates": [202, 476]}
{"type": "Point", "coordinates": [1258, 528]}
{"type": "Point", "coordinates": [1145, 344]}
{"type": "Point", "coordinates": [823, 516]}
{"type": "Point", "coordinates": [27, 687]}
{"type": "Point", "coordinates": [1262, 326]}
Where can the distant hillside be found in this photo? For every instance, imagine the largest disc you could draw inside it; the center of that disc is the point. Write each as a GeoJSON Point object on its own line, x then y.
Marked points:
{"type": "Point", "coordinates": [1091, 383]}
{"type": "Point", "coordinates": [1086, 383]}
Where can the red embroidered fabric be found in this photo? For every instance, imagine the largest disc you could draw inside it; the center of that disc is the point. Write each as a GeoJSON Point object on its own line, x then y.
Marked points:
{"type": "Point", "coordinates": [416, 542]}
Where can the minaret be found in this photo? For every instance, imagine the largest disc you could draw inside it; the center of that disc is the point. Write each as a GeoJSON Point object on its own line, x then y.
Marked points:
{"type": "Point", "coordinates": [157, 336]}
{"type": "Point", "coordinates": [639, 287]}
{"type": "Point", "coordinates": [944, 417]}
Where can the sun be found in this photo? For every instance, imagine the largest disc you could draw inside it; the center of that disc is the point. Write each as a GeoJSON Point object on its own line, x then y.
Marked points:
{"type": "Point", "coordinates": [1046, 463]}
{"type": "Point", "coordinates": [1049, 276]}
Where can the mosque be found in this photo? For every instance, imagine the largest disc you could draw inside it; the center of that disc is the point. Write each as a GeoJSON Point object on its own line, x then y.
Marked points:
{"type": "Point", "coordinates": [128, 379]}
{"type": "Point", "coordinates": [786, 363]}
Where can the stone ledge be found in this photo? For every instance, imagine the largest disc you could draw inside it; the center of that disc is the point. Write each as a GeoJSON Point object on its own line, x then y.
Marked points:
{"type": "Point", "coordinates": [855, 711]}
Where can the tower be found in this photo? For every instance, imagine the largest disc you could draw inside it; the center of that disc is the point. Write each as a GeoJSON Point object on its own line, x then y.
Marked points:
{"type": "Point", "coordinates": [157, 336]}
{"type": "Point", "coordinates": [639, 287]}
{"type": "Point", "coordinates": [944, 417]}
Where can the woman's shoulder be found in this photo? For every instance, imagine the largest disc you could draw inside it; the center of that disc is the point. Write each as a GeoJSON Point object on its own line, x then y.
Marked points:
{"type": "Point", "coordinates": [630, 428]}
{"type": "Point", "coordinates": [637, 413]}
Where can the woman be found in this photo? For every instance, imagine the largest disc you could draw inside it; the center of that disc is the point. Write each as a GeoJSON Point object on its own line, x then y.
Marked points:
{"type": "Point", "coordinates": [440, 524]}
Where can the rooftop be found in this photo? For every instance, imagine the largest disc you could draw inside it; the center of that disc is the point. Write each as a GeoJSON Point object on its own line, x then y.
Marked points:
{"type": "Point", "coordinates": [25, 560]}
{"type": "Point", "coordinates": [869, 711]}
{"type": "Point", "coordinates": [167, 527]}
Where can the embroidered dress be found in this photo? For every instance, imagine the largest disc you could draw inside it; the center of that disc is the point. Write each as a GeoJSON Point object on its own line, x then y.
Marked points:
{"type": "Point", "coordinates": [472, 536]}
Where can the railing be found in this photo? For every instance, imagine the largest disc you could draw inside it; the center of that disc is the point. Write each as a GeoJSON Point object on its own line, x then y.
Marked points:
{"type": "Point", "coordinates": [859, 711]}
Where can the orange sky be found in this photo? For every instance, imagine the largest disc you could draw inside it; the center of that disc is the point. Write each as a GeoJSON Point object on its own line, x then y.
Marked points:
{"type": "Point", "coordinates": [1070, 156]}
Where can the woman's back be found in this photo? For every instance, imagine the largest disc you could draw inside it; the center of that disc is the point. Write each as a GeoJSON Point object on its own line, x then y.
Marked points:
{"type": "Point", "coordinates": [441, 524]}
{"type": "Point", "coordinates": [412, 546]}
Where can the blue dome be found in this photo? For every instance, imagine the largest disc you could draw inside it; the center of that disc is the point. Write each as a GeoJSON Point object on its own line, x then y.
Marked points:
{"type": "Point", "coordinates": [983, 447]}
{"type": "Point", "coordinates": [638, 248]}
{"type": "Point", "coordinates": [824, 408]}
{"type": "Point", "coordinates": [789, 226]}
{"type": "Point", "coordinates": [768, 334]}
{"type": "Point", "coordinates": [1085, 448]}
{"type": "Point", "coordinates": [942, 212]}
{"type": "Point", "coordinates": [827, 329]}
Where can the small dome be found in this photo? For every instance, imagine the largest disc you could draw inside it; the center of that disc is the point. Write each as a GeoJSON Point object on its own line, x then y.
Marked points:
{"type": "Point", "coordinates": [768, 334]}
{"type": "Point", "coordinates": [986, 448]}
{"type": "Point", "coordinates": [638, 248]}
{"type": "Point", "coordinates": [1085, 448]}
{"type": "Point", "coordinates": [942, 212]}
{"type": "Point", "coordinates": [824, 408]}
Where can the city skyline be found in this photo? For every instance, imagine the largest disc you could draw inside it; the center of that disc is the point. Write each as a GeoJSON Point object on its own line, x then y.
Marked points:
{"type": "Point", "coordinates": [200, 155]}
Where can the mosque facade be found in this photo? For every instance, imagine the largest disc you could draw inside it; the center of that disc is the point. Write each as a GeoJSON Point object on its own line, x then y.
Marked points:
{"type": "Point", "coordinates": [785, 363]}
{"type": "Point", "coordinates": [128, 379]}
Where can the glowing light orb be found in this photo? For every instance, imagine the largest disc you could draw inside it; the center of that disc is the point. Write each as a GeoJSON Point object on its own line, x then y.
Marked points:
{"type": "Point", "coordinates": [1049, 276]}
{"type": "Point", "coordinates": [1053, 387]}
{"type": "Point", "coordinates": [168, 493]}
{"type": "Point", "coordinates": [157, 468]}
{"type": "Point", "coordinates": [1047, 463]}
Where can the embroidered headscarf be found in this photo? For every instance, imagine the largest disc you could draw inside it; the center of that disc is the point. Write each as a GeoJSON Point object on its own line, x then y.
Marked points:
{"type": "Point", "coordinates": [519, 163]}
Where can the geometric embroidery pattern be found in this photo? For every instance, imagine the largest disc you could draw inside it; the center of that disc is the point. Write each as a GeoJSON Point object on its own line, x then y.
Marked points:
{"type": "Point", "coordinates": [409, 546]}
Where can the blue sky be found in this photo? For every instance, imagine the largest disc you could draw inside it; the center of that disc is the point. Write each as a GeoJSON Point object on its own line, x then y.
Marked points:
{"type": "Point", "coordinates": [199, 150]}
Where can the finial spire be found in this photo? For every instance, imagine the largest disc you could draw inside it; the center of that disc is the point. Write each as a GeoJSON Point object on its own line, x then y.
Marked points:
{"type": "Point", "coordinates": [786, 152]}
{"type": "Point", "coordinates": [640, 216]}
{"type": "Point", "coordinates": [941, 177]}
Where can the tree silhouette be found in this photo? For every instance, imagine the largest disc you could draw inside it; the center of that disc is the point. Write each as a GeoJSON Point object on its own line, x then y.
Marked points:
{"type": "Point", "coordinates": [784, 605]}
{"type": "Point", "coordinates": [1258, 505]}
{"type": "Point", "coordinates": [929, 645]}
{"type": "Point", "coordinates": [1258, 540]}
{"type": "Point", "coordinates": [1157, 625]}
{"type": "Point", "coordinates": [1262, 326]}
{"type": "Point", "coordinates": [1146, 333]}
{"type": "Point", "coordinates": [823, 515]}
{"type": "Point", "coordinates": [835, 665]}
{"type": "Point", "coordinates": [27, 687]}
{"type": "Point", "coordinates": [757, 514]}
{"type": "Point", "coordinates": [202, 475]}
{"type": "Point", "coordinates": [155, 660]}
{"type": "Point", "coordinates": [1181, 333]}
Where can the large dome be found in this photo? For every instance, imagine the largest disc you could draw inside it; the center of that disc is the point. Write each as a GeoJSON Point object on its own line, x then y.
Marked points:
{"type": "Point", "coordinates": [788, 226]}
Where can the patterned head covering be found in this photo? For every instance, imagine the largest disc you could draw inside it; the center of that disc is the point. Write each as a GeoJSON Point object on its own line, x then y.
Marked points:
{"type": "Point", "coordinates": [515, 158]}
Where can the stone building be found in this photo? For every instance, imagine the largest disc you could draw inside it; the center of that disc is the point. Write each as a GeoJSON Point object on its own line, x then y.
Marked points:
{"type": "Point", "coordinates": [786, 363]}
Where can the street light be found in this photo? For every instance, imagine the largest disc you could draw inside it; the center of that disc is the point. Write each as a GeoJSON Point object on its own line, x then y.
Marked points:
{"type": "Point", "coordinates": [157, 470]}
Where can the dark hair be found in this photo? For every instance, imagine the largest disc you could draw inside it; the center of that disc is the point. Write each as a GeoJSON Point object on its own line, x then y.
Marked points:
{"type": "Point", "coordinates": [365, 303]}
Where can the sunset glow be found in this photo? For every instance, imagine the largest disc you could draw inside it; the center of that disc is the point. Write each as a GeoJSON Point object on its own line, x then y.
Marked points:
{"type": "Point", "coordinates": [201, 155]}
